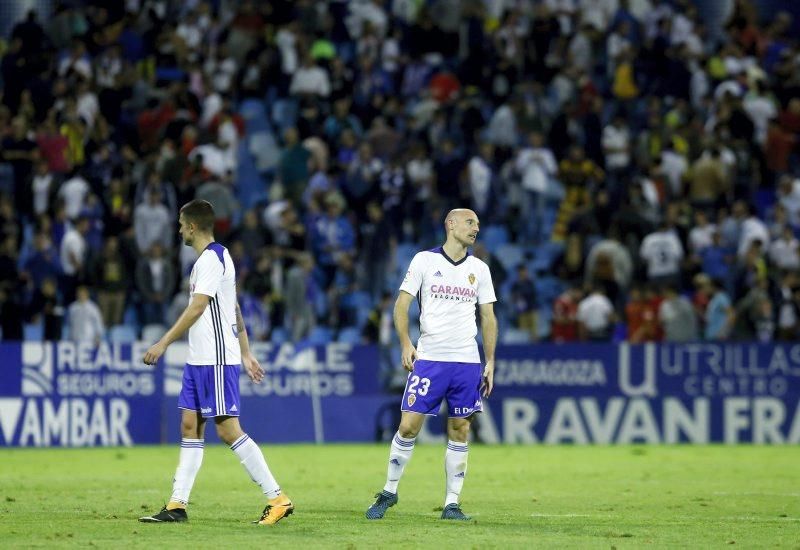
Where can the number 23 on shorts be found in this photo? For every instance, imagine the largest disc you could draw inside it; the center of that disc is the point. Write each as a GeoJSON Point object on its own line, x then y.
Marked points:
{"type": "Point", "coordinates": [424, 384]}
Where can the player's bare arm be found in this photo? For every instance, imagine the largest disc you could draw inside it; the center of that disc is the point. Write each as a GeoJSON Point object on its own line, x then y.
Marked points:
{"type": "Point", "coordinates": [189, 316]}
{"type": "Point", "coordinates": [489, 332]}
{"type": "Point", "coordinates": [250, 363]}
{"type": "Point", "coordinates": [409, 352]}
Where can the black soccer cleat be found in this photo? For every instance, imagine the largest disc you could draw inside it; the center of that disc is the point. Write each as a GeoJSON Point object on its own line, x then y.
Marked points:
{"type": "Point", "coordinates": [383, 501]}
{"type": "Point", "coordinates": [453, 511]}
{"type": "Point", "coordinates": [177, 515]}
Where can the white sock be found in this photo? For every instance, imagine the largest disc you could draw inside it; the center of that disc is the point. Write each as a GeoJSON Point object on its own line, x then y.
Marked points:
{"type": "Point", "coordinates": [191, 457]}
{"type": "Point", "coordinates": [455, 467]}
{"type": "Point", "coordinates": [253, 461]}
{"type": "Point", "coordinates": [399, 455]}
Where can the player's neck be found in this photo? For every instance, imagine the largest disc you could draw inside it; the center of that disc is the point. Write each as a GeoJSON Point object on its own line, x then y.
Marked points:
{"type": "Point", "coordinates": [454, 250]}
{"type": "Point", "coordinates": [201, 243]}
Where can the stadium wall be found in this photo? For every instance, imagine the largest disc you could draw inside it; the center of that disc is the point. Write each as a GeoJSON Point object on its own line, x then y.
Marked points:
{"type": "Point", "coordinates": [74, 395]}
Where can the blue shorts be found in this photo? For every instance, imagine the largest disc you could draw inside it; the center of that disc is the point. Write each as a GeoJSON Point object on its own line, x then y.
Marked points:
{"type": "Point", "coordinates": [432, 381]}
{"type": "Point", "coordinates": [211, 390]}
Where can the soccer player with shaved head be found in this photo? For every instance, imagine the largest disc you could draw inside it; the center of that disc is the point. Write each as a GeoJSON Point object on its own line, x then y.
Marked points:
{"type": "Point", "coordinates": [218, 348]}
{"type": "Point", "coordinates": [450, 284]}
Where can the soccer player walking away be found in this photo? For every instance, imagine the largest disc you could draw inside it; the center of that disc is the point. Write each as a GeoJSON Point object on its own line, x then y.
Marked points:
{"type": "Point", "coordinates": [448, 282]}
{"type": "Point", "coordinates": [218, 348]}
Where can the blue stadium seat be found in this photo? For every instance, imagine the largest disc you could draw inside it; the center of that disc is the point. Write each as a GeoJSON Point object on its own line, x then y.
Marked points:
{"type": "Point", "coordinates": [284, 113]}
{"type": "Point", "coordinates": [252, 109]}
{"type": "Point", "coordinates": [555, 191]}
{"type": "Point", "coordinates": [405, 253]}
{"type": "Point", "coordinates": [515, 336]}
{"type": "Point", "coordinates": [320, 336]}
{"type": "Point", "coordinates": [130, 317]}
{"type": "Point", "coordinates": [264, 151]}
{"type": "Point", "coordinates": [547, 289]}
{"type": "Point", "coordinates": [544, 321]}
{"type": "Point", "coordinates": [122, 334]}
{"type": "Point", "coordinates": [152, 333]}
{"type": "Point", "coordinates": [357, 306]}
{"type": "Point", "coordinates": [33, 332]}
{"type": "Point", "coordinates": [494, 236]}
{"type": "Point", "coordinates": [545, 256]}
{"type": "Point", "coordinates": [349, 335]}
{"type": "Point", "coordinates": [172, 74]}
{"type": "Point", "coordinates": [279, 336]}
{"type": "Point", "coordinates": [248, 181]}
{"type": "Point", "coordinates": [510, 256]}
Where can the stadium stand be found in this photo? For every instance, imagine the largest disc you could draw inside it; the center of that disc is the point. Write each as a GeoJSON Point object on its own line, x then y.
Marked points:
{"type": "Point", "coordinates": [576, 131]}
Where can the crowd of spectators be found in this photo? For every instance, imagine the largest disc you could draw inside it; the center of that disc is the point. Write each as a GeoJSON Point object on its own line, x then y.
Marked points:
{"type": "Point", "coordinates": [636, 174]}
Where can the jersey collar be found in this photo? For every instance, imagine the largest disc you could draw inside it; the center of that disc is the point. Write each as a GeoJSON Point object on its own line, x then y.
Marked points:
{"type": "Point", "coordinates": [440, 250]}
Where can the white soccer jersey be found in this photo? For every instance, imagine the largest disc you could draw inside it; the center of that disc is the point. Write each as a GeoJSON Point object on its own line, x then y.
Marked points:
{"type": "Point", "coordinates": [213, 338]}
{"type": "Point", "coordinates": [448, 292]}
{"type": "Point", "coordinates": [663, 252]}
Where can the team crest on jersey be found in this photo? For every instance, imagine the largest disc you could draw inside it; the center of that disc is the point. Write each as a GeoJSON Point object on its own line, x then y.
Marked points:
{"type": "Point", "coordinates": [471, 278]}
{"type": "Point", "coordinates": [411, 400]}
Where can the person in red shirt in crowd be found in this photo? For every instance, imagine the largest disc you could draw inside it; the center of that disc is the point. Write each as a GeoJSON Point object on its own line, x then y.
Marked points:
{"type": "Point", "coordinates": [634, 314]}
{"type": "Point", "coordinates": [641, 315]}
{"type": "Point", "coordinates": [565, 315]}
{"type": "Point", "coordinates": [778, 147]}
{"type": "Point", "coordinates": [53, 145]}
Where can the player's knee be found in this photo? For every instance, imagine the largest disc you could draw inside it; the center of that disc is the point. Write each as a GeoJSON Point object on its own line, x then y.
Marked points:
{"type": "Point", "coordinates": [188, 428]}
{"type": "Point", "coordinates": [458, 433]}
{"type": "Point", "coordinates": [408, 431]}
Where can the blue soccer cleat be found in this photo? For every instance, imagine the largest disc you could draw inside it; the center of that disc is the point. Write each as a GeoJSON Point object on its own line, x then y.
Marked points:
{"type": "Point", "coordinates": [383, 501]}
{"type": "Point", "coordinates": [453, 511]}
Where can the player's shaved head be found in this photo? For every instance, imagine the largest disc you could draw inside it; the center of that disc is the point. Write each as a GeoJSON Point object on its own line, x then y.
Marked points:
{"type": "Point", "coordinates": [456, 215]}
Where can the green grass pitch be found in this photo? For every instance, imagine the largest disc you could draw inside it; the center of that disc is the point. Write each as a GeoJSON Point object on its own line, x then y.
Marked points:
{"type": "Point", "coordinates": [586, 497]}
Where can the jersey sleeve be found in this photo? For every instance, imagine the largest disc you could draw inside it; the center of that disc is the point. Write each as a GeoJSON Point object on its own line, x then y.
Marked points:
{"type": "Point", "coordinates": [413, 279]}
{"type": "Point", "coordinates": [209, 272]}
{"type": "Point", "coordinates": [486, 288]}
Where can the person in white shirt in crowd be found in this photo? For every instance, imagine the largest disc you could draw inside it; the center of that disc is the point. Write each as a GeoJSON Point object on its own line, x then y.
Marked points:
{"type": "Point", "coordinates": [480, 173]}
{"type": "Point", "coordinates": [42, 184]}
{"type": "Point", "coordinates": [751, 228]}
{"type": "Point", "coordinates": [310, 80]}
{"type": "Point", "coordinates": [73, 192]}
{"type": "Point", "coordinates": [596, 316]}
{"type": "Point", "coordinates": [85, 319]}
{"type": "Point", "coordinates": [784, 252]}
{"type": "Point", "coordinates": [152, 223]}
{"type": "Point", "coordinates": [535, 164]}
{"type": "Point", "coordinates": [217, 157]}
{"type": "Point", "coordinates": [701, 235]}
{"type": "Point", "coordinates": [761, 108]}
{"type": "Point", "coordinates": [789, 197]}
{"type": "Point", "coordinates": [677, 317]}
{"type": "Point", "coordinates": [73, 255]}
{"type": "Point", "coordinates": [662, 251]}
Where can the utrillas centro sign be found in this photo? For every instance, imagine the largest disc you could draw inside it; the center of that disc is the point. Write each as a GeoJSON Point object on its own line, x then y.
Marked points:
{"type": "Point", "coordinates": [68, 394]}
